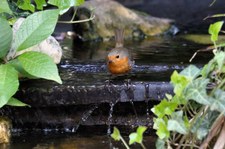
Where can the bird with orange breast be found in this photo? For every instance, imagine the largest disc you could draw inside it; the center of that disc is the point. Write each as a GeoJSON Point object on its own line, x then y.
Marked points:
{"type": "Point", "coordinates": [119, 59]}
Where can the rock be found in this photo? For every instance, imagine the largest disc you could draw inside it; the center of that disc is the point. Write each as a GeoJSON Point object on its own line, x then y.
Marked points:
{"type": "Point", "coordinates": [110, 15]}
{"type": "Point", "coordinates": [49, 46]}
{"type": "Point", "coordinates": [5, 126]}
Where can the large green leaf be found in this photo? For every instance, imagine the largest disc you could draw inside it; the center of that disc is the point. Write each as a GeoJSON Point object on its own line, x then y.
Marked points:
{"type": "Point", "coordinates": [40, 65]}
{"type": "Point", "coordinates": [8, 83]}
{"type": "Point", "coordinates": [64, 5]}
{"type": "Point", "coordinates": [35, 29]}
{"type": "Point", "coordinates": [4, 7]}
{"type": "Point", "coordinates": [5, 37]}
{"type": "Point", "coordinates": [161, 126]}
{"type": "Point", "coordinates": [196, 91]}
{"type": "Point", "coordinates": [179, 82]}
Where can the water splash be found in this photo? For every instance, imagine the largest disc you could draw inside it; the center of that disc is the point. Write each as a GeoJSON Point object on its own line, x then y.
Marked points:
{"type": "Point", "coordinates": [85, 116]}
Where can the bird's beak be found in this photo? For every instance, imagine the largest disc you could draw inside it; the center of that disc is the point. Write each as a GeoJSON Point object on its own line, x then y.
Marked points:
{"type": "Point", "coordinates": [110, 61]}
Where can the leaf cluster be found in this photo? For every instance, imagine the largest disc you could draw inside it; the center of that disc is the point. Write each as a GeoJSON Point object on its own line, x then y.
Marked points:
{"type": "Point", "coordinates": [186, 119]}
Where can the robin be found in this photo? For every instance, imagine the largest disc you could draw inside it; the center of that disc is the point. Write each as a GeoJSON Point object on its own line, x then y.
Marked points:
{"type": "Point", "coordinates": [119, 59]}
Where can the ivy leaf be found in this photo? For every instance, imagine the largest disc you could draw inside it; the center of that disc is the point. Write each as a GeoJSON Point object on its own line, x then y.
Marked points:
{"type": "Point", "coordinates": [15, 102]}
{"type": "Point", "coordinates": [214, 30]}
{"type": "Point", "coordinates": [161, 126]}
{"type": "Point", "coordinates": [40, 4]}
{"type": "Point", "coordinates": [40, 65]}
{"type": "Point", "coordinates": [176, 123]}
{"type": "Point", "coordinates": [25, 5]}
{"type": "Point", "coordinates": [5, 37]}
{"type": "Point", "coordinates": [196, 91]}
{"type": "Point", "coordinates": [160, 144]}
{"type": "Point", "coordinates": [4, 7]}
{"type": "Point", "coordinates": [116, 134]}
{"type": "Point", "coordinates": [179, 82]}
{"type": "Point", "coordinates": [218, 102]}
{"type": "Point", "coordinates": [35, 29]}
{"type": "Point", "coordinates": [220, 59]}
{"type": "Point", "coordinates": [8, 83]}
{"type": "Point", "coordinates": [164, 108]}
{"type": "Point", "coordinates": [138, 135]}
{"type": "Point", "coordinates": [191, 72]}
{"type": "Point", "coordinates": [202, 125]}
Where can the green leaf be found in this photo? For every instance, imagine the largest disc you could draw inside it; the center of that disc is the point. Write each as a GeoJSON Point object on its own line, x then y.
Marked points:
{"type": "Point", "coordinates": [25, 5]}
{"type": "Point", "coordinates": [35, 29]}
{"type": "Point", "coordinates": [160, 144]}
{"type": "Point", "coordinates": [40, 65]}
{"type": "Point", "coordinates": [176, 123]}
{"type": "Point", "coordinates": [196, 91]}
{"type": "Point", "coordinates": [218, 102]}
{"type": "Point", "coordinates": [5, 37]}
{"type": "Point", "coordinates": [116, 134]}
{"type": "Point", "coordinates": [8, 83]}
{"type": "Point", "coordinates": [214, 30]}
{"type": "Point", "coordinates": [40, 4]}
{"type": "Point", "coordinates": [191, 72]}
{"type": "Point", "coordinates": [179, 82]}
{"type": "Point", "coordinates": [202, 124]}
{"type": "Point", "coordinates": [164, 108]}
{"type": "Point", "coordinates": [65, 4]}
{"type": "Point", "coordinates": [138, 135]}
{"type": "Point", "coordinates": [15, 102]}
{"type": "Point", "coordinates": [4, 7]}
{"type": "Point", "coordinates": [220, 59]}
{"type": "Point", "coordinates": [161, 126]}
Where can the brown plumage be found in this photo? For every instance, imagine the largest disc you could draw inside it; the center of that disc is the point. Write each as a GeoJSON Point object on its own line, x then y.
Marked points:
{"type": "Point", "coordinates": [119, 59]}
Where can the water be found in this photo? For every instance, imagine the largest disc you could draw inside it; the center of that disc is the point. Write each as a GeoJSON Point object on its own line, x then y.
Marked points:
{"type": "Point", "coordinates": [155, 58]}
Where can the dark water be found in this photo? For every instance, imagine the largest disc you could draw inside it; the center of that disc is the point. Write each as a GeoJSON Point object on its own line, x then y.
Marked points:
{"type": "Point", "coordinates": [157, 52]}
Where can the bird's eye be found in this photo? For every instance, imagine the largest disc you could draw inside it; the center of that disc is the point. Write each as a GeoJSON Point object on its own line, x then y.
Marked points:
{"type": "Point", "coordinates": [117, 56]}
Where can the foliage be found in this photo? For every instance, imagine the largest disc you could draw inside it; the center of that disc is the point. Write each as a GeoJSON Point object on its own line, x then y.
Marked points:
{"type": "Point", "coordinates": [38, 25]}
{"type": "Point", "coordinates": [135, 137]}
{"type": "Point", "coordinates": [195, 114]}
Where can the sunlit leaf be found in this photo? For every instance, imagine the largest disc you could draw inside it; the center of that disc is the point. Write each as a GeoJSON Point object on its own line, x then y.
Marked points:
{"type": "Point", "coordinates": [35, 29]}
{"type": "Point", "coordinates": [65, 4]}
{"type": "Point", "coordinates": [176, 123]}
{"type": "Point", "coordinates": [40, 65]}
{"type": "Point", "coordinates": [25, 5]}
{"type": "Point", "coordinates": [220, 59]}
{"type": "Point", "coordinates": [164, 108]}
{"type": "Point", "coordinates": [116, 134]}
{"type": "Point", "coordinates": [214, 30]}
{"type": "Point", "coordinates": [5, 37]}
{"type": "Point", "coordinates": [40, 4]}
{"type": "Point", "coordinates": [15, 102]}
{"type": "Point", "coordinates": [138, 135]}
{"type": "Point", "coordinates": [161, 126]}
{"type": "Point", "coordinates": [179, 82]}
{"type": "Point", "coordinates": [4, 7]}
{"type": "Point", "coordinates": [8, 83]}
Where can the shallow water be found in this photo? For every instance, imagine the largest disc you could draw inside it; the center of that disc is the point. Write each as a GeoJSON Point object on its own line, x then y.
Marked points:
{"type": "Point", "coordinates": [155, 59]}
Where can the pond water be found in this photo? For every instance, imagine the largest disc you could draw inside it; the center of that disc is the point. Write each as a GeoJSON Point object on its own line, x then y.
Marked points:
{"type": "Point", "coordinates": [155, 51]}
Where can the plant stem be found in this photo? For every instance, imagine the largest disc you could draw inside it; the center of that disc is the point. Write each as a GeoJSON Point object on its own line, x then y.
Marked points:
{"type": "Point", "coordinates": [124, 142]}
{"type": "Point", "coordinates": [142, 145]}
